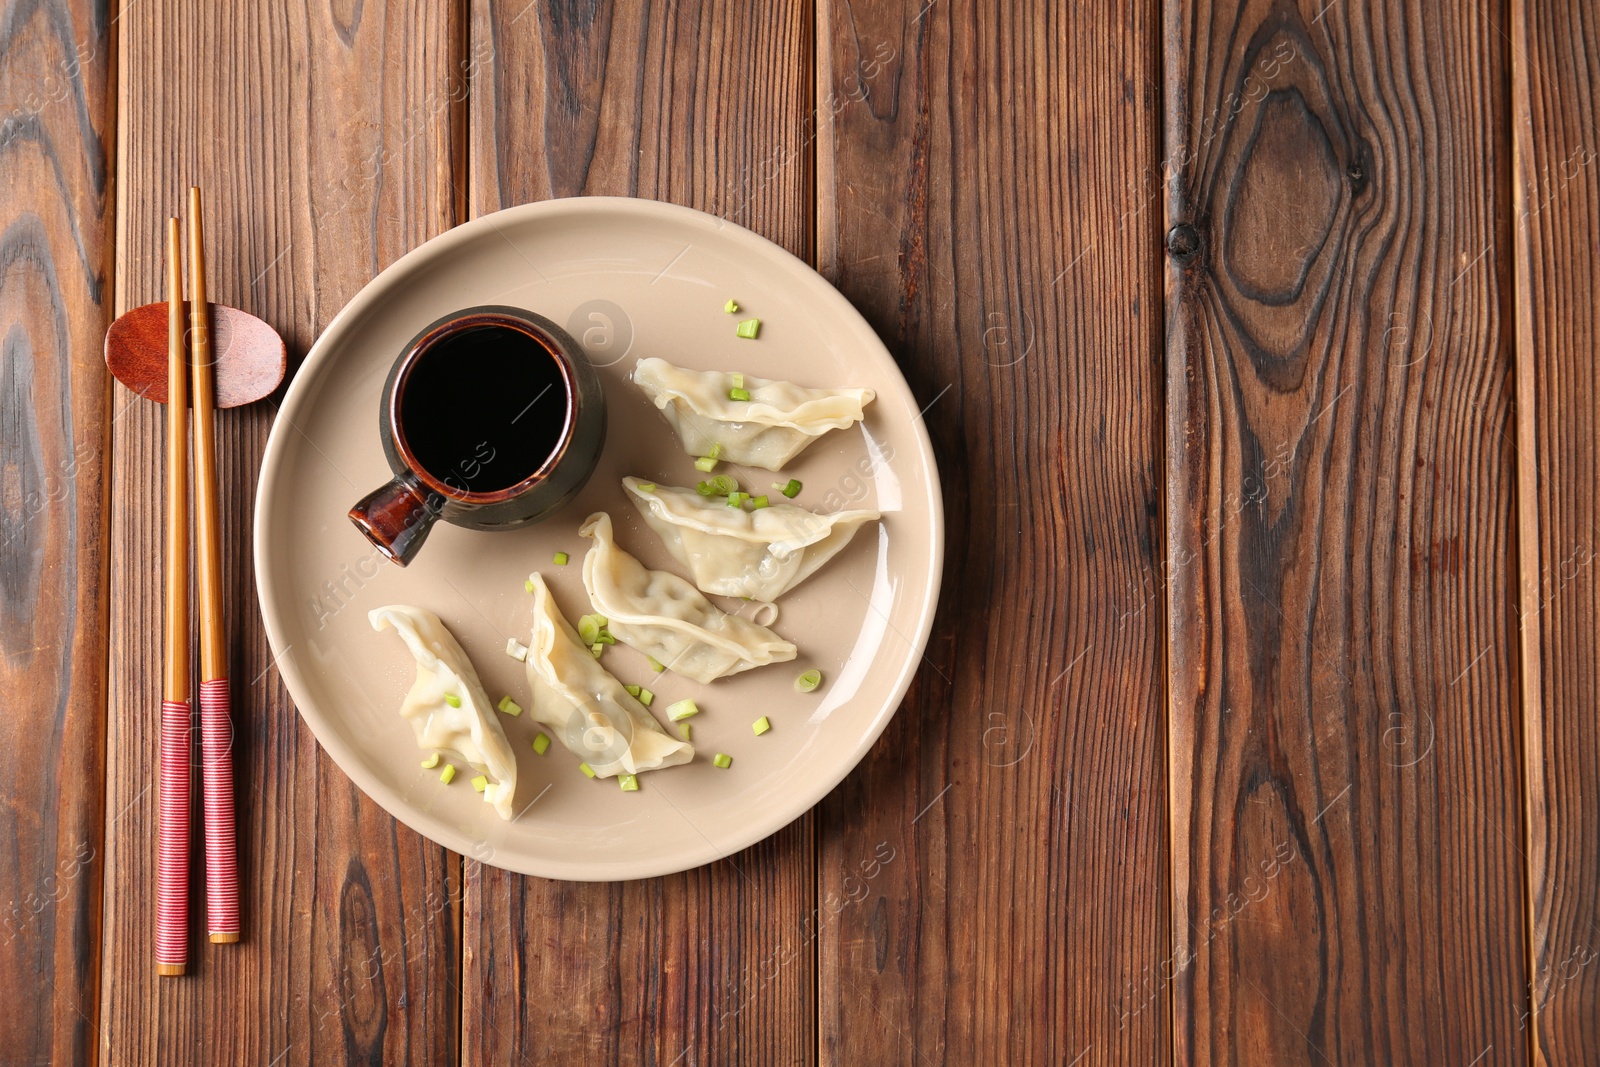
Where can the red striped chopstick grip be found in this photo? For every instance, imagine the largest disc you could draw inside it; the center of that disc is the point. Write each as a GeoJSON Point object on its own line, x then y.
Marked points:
{"type": "Point", "coordinates": [222, 854]}
{"type": "Point", "coordinates": [172, 844]}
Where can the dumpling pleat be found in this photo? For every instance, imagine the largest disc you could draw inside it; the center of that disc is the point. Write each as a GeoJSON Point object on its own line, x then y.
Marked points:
{"type": "Point", "coordinates": [778, 422]}
{"type": "Point", "coordinates": [583, 703]}
{"type": "Point", "coordinates": [470, 729]}
{"type": "Point", "coordinates": [759, 554]}
{"type": "Point", "coordinates": [662, 615]}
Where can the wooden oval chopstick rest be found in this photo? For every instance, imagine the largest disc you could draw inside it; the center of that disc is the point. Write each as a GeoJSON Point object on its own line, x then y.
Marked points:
{"type": "Point", "coordinates": [251, 358]}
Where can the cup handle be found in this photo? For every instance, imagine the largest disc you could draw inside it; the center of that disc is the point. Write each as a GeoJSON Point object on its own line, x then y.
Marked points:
{"type": "Point", "coordinates": [397, 517]}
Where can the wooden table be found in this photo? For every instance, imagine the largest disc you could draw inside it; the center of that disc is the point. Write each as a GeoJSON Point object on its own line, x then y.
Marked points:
{"type": "Point", "coordinates": [1258, 345]}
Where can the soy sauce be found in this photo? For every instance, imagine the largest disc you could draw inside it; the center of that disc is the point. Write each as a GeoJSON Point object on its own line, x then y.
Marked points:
{"type": "Point", "coordinates": [484, 408]}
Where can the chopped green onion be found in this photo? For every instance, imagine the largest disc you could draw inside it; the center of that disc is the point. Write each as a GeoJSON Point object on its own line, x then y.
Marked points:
{"type": "Point", "coordinates": [761, 725]}
{"type": "Point", "coordinates": [723, 760]}
{"type": "Point", "coordinates": [738, 394]}
{"type": "Point", "coordinates": [628, 782]}
{"type": "Point", "coordinates": [706, 464]}
{"type": "Point", "coordinates": [516, 649]}
{"type": "Point", "coordinates": [589, 628]}
{"type": "Point", "coordinates": [656, 665]}
{"type": "Point", "coordinates": [646, 487]}
{"type": "Point", "coordinates": [748, 329]}
{"type": "Point", "coordinates": [561, 559]}
{"type": "Point", "coordinates": [682, 709]}
{"type": "Point", "coordinates": [480, 783]}
{"type": "Point", "coordinates": [685, 730]}
{"type": "Point", "coordinates": [597, 648]}
{"type": "Point", "coordinates": [588, 771]}
{"type": "Point", "coordinates": [730, 307]}
{"type": "Point", "coordinates": [509, 706]}
{"type": "Point", "coordinates": [646, 697]}
{"type": "Point", "coordinates": [448, 774]}
{"type": "Point", "coordinates": [716, 450]}
{"type": "Point", "coordinates": [431, 762]}
{"type": "Point", "coordinates": [808, 681]}
{"type": "Point", "coordinates": [541, 743]}
{"type": "Point", "coordinates": [453, 700]}
{"type": "Point", "coordinates": [633, 690]}
{"type": "Point", "coordinates": [736, 500]}
{"type": "Point", "coordinates": [738, 380]}
{"type": "Point", "coordinates": [791, 490]}
{"type": "Point", "coordinates": [759, 502]}
{"type": "Point", "coordinates": [723, 484]}
{"type": "Point", "coordinates": [528, 584]}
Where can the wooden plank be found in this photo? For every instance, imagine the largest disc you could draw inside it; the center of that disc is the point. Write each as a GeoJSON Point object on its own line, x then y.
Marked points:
{"type": "Point", "coordinates": [1346, 823]}
{"type": "Point", "coordinates": [323, 137]}
{"type": "Point", "coordinates": [55, 299]}
{"type": "Point", "coordinates": [992, 879]}
{"type": "Point", "coordinates": [1555, 80]}
{"type": "Point", "coordinates": [702, 104]}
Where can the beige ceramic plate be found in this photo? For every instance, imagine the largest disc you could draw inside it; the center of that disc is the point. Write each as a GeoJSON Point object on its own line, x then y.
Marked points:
{"type": "Point", "coordinates": [629, 279]}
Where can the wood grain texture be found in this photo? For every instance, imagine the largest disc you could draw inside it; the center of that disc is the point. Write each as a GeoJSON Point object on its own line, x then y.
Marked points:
{"type": "Point", "coordinates": [1347, 830]}
{"type": "Point", "coordinates": [323, 137]}
{"type": "Point", "coordinates": [1555, 79]}
{"type": "Point", "coordinates": [55, 299]}
{"type": "Point", "coordinates": [700, 103]}
{"type": "Point", "coordinates": [992, 878]}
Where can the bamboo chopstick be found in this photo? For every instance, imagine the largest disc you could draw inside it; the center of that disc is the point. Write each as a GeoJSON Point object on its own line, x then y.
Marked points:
{"type": "Point", "coordinates": [216, 722]}
{"type": "Point", "coordinates": [172, 843]}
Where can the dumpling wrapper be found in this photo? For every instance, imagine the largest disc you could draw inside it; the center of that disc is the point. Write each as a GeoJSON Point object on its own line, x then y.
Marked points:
{"type": "Point", "coordinates": [587, 709]}
{"type": "Point", "coordinates": [760, 554]}
{"type": "Point", "coordinates": [775, 425]}
{"type": "Point", "coordinates": [663, 616]}
{"type": "Point", "coordinates": [472, 730]}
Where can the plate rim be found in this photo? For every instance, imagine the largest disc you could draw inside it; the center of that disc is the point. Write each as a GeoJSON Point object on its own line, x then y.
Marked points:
{"type": "Point", "coordinates": [332, 337]}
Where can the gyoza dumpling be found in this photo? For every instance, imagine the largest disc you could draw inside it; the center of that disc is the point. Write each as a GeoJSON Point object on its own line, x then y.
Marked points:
{"type": "Point", "coordinates": [662, 616]}
{"type": "Point", "coordinates": [775, 425]}
{"type": "Point", "coordinates": [585, 707]}
{"type": "Point", "coordinates": [760, 554]}
{"type": "Point", "coordinates": [468, 727]}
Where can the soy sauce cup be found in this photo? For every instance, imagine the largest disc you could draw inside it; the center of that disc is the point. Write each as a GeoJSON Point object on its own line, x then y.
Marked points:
{"type": "Point", "coordinates": [491, 418]}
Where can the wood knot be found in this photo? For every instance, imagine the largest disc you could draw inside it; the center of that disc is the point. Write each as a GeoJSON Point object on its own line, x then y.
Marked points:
{"type": "Point", "coordinates": [1183, 243]}
{"type": "Point", "coordinates": [1357, 172]}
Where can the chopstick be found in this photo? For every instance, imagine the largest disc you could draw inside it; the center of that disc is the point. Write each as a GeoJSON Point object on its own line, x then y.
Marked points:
{"type": "Point", "coordinates": [216, 722]}
{"type": "Point", "coordinates": [172, 843]}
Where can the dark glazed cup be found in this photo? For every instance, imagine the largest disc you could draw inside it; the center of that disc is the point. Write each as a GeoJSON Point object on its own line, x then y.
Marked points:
{"type": "Point", "coordinates": [397, 516]}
